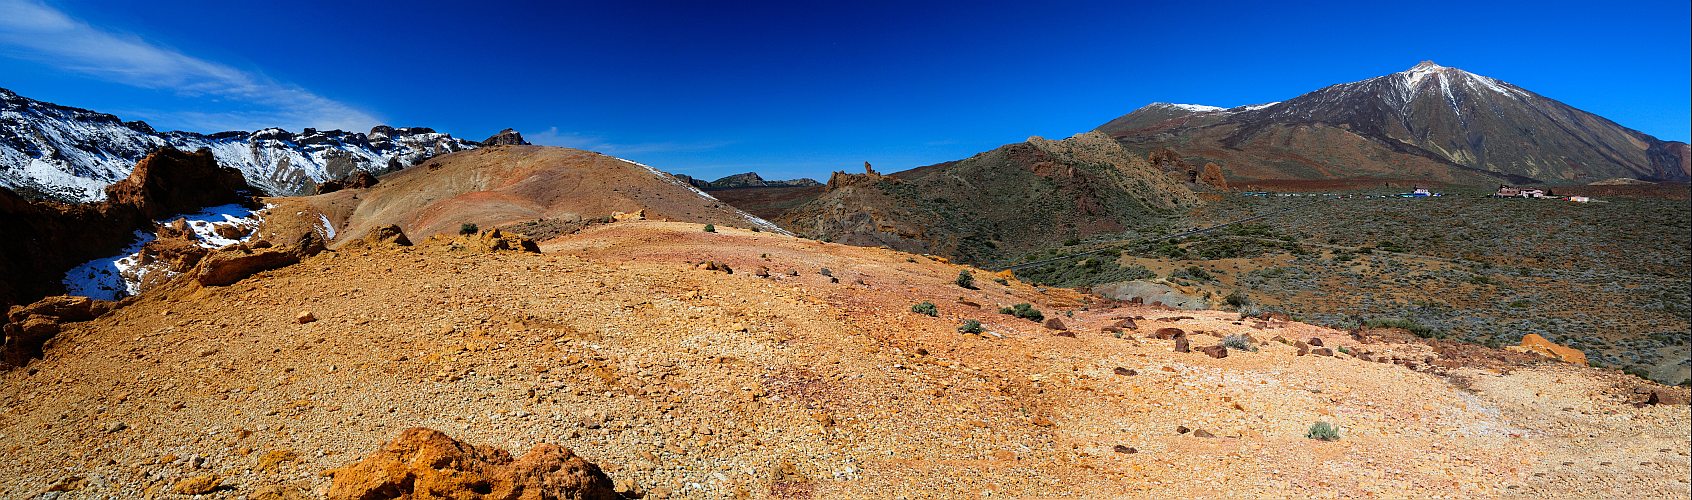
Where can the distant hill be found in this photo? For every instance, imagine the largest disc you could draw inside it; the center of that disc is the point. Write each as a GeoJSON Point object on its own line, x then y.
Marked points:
{"type": "Point", "coordinates": [502, 185]}
{"type": "Point", "coordinates": [991, 206]}
{"type": "Point", "coordinates": [746, 180]}
{"type": "Point", "coordinates": [1430, 124]}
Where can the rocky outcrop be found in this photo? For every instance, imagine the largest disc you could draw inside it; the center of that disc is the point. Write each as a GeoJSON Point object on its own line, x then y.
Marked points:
{"type": "Point", "coordinates": [388, 235]}
{"type": "Point", "coordinates": [1534, 343]}
{"type": "Point", "coordinates": [44, 239]}
{"type": "Point", "coordinates": [232, 264]}
{"type": "Point", "coordinates": [507, 137]}
{"type": "Point", "coordinates": [492, 240]}
{"type": "Point", "coordinates": [425, 463]}
{"type": "Point", "coordinates": [27, 329]}
{"type": "Point", "coordinates": [1212, 176]}
{"type": "Point", "coordinates": [355, 180]}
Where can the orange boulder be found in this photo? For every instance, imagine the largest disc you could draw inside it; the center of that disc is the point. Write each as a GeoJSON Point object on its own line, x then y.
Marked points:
{"type": "Point", "coordinates": [1536, 344]}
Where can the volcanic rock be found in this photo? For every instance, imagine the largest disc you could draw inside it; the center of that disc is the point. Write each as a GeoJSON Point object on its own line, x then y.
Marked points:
{"type": "Point", "coordinates": [46, 239]}
{"type": "Point", "coordinates": [507, 137]}
{"type": "Point", "coordinates": [1168, 333]}
{"type": "Point", "coordinates": [1536, 344]}
{"type": "Point", "coordinates": [425, 463]}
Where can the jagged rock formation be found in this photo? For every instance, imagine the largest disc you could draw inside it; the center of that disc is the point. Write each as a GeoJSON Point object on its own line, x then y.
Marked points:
{"type": "Point", "coordinates": [426, 463]}
{"type": "Point", "coordinates": [70, 154]}
{"type": "Point", "coordinates": [1429, 124]}
{"type": "Point", "coordinates": [507, 137]}
{"type": "Point", "coordinates": [45, 239]}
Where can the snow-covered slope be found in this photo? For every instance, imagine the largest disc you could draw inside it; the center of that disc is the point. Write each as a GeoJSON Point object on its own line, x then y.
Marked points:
{"type": "Point", "coordinates": [47, 150]}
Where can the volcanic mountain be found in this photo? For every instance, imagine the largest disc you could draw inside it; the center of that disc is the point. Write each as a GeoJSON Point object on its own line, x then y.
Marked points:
{"type": "Point", "coordinates": [71, 154]}
{"type": "Point", "coordinates": [1428, 124]}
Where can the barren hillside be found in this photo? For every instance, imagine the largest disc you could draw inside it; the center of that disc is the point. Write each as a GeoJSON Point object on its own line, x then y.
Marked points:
{"type": "Point", "coordinates": [684, 381]}
{"type": "Point", "coordinates": [502, 185]}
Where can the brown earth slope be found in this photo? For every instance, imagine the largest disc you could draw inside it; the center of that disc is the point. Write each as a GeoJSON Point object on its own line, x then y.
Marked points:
{"type": "Point", "coordinates": [688, 382]}
{"type": "Point", "coordinates": [502, 185]}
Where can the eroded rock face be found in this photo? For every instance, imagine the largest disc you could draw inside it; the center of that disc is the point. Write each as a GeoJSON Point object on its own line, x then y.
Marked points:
{"type": "Point", "coordinates": [426, 463]}
{"type": "Point", "coordinates": [507, 137]}
{"type": "Point", "coordinates": [229, 265]}
{"type": "Point", "coordinates": [27, 329]}
{"type": "Point", "coordinates": [46, 239]}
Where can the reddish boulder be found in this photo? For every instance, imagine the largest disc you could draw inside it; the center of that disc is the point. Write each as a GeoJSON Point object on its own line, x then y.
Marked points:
{"type": "Point", "coordinates": [1055, 324]}
{"type": "Point", "coordinates": [1215, 351]}
{"type": "Point", "coordinates": [1182, 344]}
{"type": "Point", "coordinates": [1168, 333]}
{"type": "Point", "coordinates": [425, 463]}
{"type": "Point", "coordinates": [228, 267]}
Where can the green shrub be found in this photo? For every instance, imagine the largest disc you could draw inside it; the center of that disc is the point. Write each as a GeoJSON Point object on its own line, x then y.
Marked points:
{"type": "Point", "coordinates": [1237, 299]}
{"type": "Point", "coordinates": [1001, 281]}
{"type": "Point", "coordinates": [1322, 431]}
{"type": "Point", "coordinates": [966, 280]}
{"type": "Point", "coordinates": [710, 228]}
{"type": "Point", "coordinates": [1071, 242]}
{"type": "Point", "coordinates": [1421, 330]}
{"type": "Point", "coordinates": [468, 228]}
{"type": "Point", "coordinates": [926, 308]}
{"type": "Point", "coordinates": [1024, 311]}
{"type": "Point", "coordinates": [970, 326]}
{"type": "Point", "coordinates": [1238, 342]}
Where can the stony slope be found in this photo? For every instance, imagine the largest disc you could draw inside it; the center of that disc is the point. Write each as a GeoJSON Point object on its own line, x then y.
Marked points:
{"type": "Point", "coordinates": [503, 185]}
{"type": "Point", "coordinates": [998, 204]}
{"type": "Point", "coordinates": [71, 154]}
{"type": "Point", "coordinates": [1430, 123]}
{"type": "Point", "coordinates": [686, 382]}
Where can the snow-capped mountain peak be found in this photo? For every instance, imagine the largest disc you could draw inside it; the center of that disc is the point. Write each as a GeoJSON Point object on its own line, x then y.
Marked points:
{"type": "Point", "coordinates": [71, 154]}
{"type": "Point", "coordinates": [1197, 108]}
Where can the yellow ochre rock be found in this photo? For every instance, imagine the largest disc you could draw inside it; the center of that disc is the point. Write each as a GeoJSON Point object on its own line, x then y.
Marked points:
{"type": "Point", "coordinates": [1536, 344]}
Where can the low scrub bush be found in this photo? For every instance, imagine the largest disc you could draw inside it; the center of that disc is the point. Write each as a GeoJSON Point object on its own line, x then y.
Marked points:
{"type": "Point", "coordinates": [1024, 311]}
{"type": "Point", "coordinates": [1322, 431]}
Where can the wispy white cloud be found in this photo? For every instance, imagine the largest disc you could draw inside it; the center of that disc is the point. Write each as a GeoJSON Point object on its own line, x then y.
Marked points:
{"type": "Point", "coordinates": [553, 137]}
{"type": "Point", "coordinates": [35, 31]}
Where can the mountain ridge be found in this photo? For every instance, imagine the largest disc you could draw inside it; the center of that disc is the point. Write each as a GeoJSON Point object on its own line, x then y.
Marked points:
{"type": "Point", "coordinates": [70, 154]}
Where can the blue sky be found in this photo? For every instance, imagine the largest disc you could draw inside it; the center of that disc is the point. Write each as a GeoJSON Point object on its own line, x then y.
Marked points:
{"type": "Point", "coordinates": [799, 88]}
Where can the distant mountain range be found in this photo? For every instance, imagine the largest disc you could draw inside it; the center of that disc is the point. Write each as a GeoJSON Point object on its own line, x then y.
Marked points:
{"type": "Point", "coordinates": [71, 154]}
{"type": "Point", "coordinates": [1430, 124]}
{"type": "Point", "coordinates": [746, 180]}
